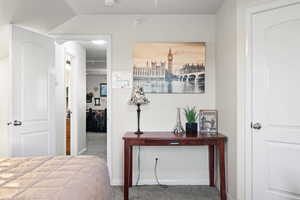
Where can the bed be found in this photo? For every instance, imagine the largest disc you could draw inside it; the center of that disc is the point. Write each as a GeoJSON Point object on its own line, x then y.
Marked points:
{"type": "Point", "coordinates": [54, 178]}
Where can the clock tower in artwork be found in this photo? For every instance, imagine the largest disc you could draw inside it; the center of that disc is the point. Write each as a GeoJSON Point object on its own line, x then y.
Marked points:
{"type": "Point", "coordinates": [170, 61]}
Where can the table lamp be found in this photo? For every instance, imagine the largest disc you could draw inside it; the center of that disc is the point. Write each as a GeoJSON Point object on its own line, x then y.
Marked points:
{"type": "Point", "coordinates": [138, 98]}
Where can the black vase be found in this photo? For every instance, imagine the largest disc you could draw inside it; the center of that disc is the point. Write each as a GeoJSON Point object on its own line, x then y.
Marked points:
{"type": "Point", "coordinates": [191, 129]}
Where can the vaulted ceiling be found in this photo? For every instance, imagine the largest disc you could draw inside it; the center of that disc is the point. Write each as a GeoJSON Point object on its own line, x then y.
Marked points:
{"type": "Point", "coordinates": [146, 6]}
{"type": "Point", "coordinates": [45, 15]}
{"type": "Point", "coordinates": [42, 15]}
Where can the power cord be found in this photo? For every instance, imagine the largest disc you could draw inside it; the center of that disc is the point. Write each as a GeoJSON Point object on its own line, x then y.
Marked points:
{"type": "Point", "coordinates": [155, 170]}
{"type": "Point", "coordinates": [156, 177]}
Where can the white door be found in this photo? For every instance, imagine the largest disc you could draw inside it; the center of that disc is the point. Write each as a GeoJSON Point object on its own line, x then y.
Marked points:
{"type": "Point", "coordinates": [276, 103]}
{"type": "Point", "coordinates": [32, 63]}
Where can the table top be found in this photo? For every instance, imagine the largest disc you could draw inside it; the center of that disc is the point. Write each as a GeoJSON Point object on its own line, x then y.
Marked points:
{"type": "Point", "coordinates": [164, 135]}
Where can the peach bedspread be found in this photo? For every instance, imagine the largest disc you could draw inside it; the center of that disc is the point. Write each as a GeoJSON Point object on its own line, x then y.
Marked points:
{"type": "Point", "coordinates": [54, 178]}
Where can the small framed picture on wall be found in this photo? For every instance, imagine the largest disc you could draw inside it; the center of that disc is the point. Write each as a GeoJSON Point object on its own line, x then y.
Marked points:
{"type": "Point", "coordinates": [97, 101]}
{"type": "Point", "coordinates": [103, 89]}
{"type": "Point", "coordinates": [89, 97]}
{"type": "Point", "coordinates": [208, 121]}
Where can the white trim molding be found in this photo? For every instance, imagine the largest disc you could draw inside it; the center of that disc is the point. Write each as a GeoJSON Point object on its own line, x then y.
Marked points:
{"type": "Point", "coordinates": [82, 151]}
{"type": "Point", "coordinates": [244, 106]}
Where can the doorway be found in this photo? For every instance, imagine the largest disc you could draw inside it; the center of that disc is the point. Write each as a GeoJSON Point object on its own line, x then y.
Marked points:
{"type": "Point", "coordinates": [96, 98]}
{"type": "Point", "coordinates": [91, 69]}
{"type": "Point", "coordinates": [85, 97]}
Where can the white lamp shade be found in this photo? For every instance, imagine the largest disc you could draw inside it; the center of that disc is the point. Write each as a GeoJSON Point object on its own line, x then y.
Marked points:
{"type": "Point", "coordinates": [138, 97]}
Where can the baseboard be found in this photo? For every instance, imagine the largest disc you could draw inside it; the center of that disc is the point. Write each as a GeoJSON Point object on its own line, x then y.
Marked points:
{"type": "Point", "coordinates": [118, 182]}
{"type": "Point", "coordinates": [82, 151]}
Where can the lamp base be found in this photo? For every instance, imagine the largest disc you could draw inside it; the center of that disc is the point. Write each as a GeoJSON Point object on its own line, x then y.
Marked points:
{"type": "Point", "coordinates": [138, 132]}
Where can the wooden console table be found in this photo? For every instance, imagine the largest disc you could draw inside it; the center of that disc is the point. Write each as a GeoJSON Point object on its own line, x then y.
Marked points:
{"type": "Point", "coordinates": [169, 139]}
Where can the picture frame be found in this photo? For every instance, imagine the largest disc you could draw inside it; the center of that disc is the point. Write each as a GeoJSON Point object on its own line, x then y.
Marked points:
{"type": "Point", "coordinates": [103, 89]}
{"type": "Point", "coordinates": [97, 101]}
{"type": "Point", "coordinates": [89, 97]}
{"type": "Point", "coordinates": [170, 67]}
{"type": "Point", "coordinates": [208, 121]}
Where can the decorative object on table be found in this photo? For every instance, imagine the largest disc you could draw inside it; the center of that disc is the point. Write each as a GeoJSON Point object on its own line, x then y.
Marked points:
{"type": "Point", "coordinates": [97, 101]}
{"type": "Point", "coordinates": [165, 67]}
{"type": "Point", "coordinates": [89, 97]}
{"type": "Point", "coordinates": [103, 89]}
{"type": "Point", "coordinates": [191, 127]}
{"type": "Point", "coordinates": [178, 129]}
{"type": "Point", "coordinates": [138, 98]}
{"type": "Point", "coordinates": [208, 121]}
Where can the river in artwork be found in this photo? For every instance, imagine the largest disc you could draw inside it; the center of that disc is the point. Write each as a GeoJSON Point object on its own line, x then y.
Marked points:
{"type": "Point", "coordinates": [174, 86]}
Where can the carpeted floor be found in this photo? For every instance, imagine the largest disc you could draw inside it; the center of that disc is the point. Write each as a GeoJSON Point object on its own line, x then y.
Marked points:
{"type": "Point", "coordinates": [171, 193]}
{"type": "Point", "coordinates": [96, 145]}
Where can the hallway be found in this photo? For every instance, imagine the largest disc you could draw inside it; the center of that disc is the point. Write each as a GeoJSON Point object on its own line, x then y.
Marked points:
{"type": "Point", "coordinates": [96, 145]}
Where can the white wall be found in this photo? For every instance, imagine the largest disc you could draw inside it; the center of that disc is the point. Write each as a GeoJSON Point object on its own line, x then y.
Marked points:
{"type": "Point", "coordinates": [178, 165]}
{"type": "Point", "coordinates": [4, 92]}
{"type": "Point", "coordinates": [4, 42]}
{"type": "Point", "coordinates": [78, 95]}
{"type": "Point", "coordinates": [226, 87]}
{"type": "Point", "coordinates": [93, 81]}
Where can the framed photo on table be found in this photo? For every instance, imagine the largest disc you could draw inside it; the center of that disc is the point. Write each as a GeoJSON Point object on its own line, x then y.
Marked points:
{"type": "Point", "coordinates": [208, 121]}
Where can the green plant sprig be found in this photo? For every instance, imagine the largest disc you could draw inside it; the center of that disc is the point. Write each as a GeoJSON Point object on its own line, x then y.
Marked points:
{"type": "Point", "coordinates": [191, 114]}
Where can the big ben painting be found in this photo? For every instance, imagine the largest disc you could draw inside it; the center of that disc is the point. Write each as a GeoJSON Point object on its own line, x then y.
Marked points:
{"type": "Point", "coordinates": [170, 67]}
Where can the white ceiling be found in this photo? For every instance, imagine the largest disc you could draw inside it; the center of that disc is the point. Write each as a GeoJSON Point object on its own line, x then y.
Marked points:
{"type": "Point", "coordinates": [41, 15]}
{"type": "Point", "coordinates": [44, 15]}
{"type": "Point", "coordinates": [38, 15]}
{"type": "Point", "coordinates": [146, 6]}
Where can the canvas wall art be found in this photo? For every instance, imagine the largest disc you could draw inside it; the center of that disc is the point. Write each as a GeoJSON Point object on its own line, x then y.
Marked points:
{"type": "Point", "coordinates": [170, 67]}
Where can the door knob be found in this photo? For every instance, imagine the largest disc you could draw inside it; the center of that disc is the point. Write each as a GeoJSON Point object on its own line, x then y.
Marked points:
{"type": "Point", "coordinates": [256, 126]}
{"type": "Point", "coordinates": [17, 123]}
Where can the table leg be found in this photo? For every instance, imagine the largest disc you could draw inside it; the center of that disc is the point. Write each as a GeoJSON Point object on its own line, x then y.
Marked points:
{"type": "Point", "coordinates": [221, 146]}
{"type": "Point", "coordinates": [211, 165]}
{"type": "Point", "coordinates": [126, 170]}
{"type": "Point", "coordinates": [130, 168]}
